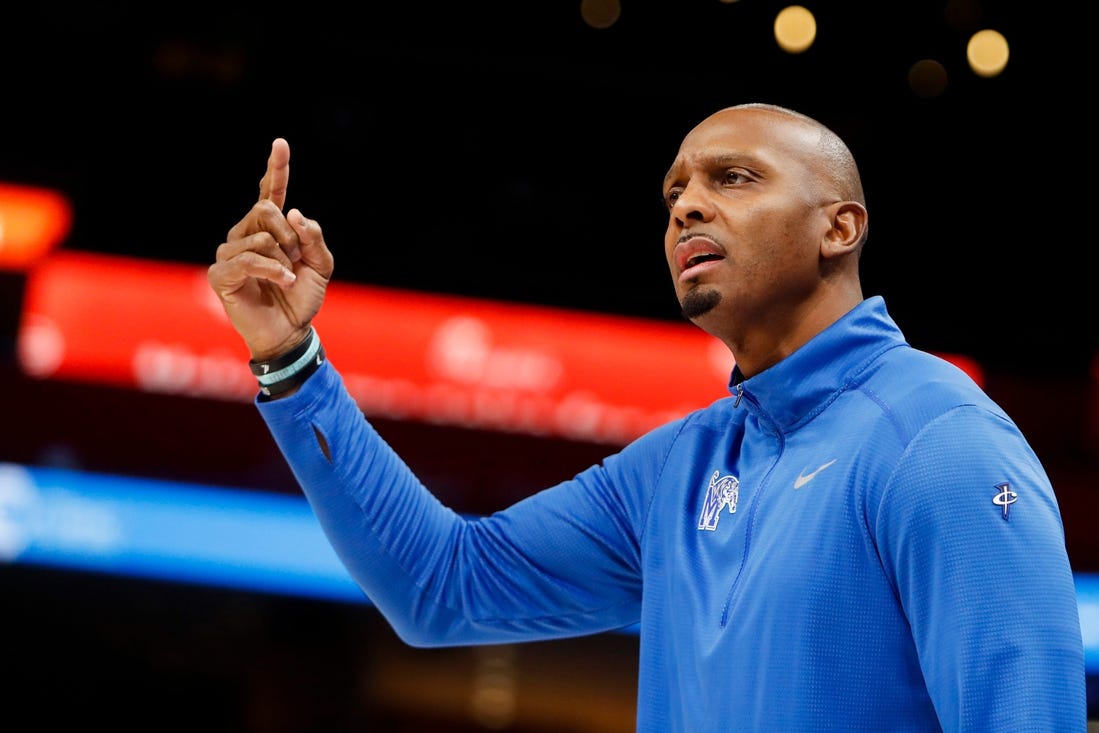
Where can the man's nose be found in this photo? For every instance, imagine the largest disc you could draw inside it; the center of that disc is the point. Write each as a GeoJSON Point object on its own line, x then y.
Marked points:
{"type": "Point", "coordinates": [692, 204]}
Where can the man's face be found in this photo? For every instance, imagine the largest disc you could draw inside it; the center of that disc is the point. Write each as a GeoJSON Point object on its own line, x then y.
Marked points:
{"type": "Point", "coordinates": [745, 219]}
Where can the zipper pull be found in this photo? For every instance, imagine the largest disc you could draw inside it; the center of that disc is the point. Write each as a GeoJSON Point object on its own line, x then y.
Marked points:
{"type": "Point", "coordinates": [739, 394]}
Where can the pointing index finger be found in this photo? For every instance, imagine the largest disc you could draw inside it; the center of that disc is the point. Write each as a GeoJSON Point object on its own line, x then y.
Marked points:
{"type": "Point", "coordinates": [276, 179]}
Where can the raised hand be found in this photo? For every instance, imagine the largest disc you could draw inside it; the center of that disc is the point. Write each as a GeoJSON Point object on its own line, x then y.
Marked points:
{"type": "Point", "coordinates": [272, 272]}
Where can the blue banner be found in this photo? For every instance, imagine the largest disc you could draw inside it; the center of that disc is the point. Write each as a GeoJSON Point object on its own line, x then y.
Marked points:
{"type": "Point", "coordinates": [249, 540]}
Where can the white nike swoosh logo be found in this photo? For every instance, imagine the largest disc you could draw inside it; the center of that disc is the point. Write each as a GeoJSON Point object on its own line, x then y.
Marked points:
{"type": "Point", "coordinates": [805, 478]}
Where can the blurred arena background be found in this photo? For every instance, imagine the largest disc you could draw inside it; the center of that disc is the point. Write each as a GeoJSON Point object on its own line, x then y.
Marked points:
{"type": "Point", "coordinates": [489, 172]}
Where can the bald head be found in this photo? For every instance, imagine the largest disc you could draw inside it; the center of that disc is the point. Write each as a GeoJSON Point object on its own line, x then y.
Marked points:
{"type": "Point", "coordinates": [836, 165]}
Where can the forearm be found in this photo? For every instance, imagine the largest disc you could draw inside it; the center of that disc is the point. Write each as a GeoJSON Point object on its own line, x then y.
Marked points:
{"type": "Point", "coordinates": [438, 578]}
{"type": "Point", "coordinates": [376, 516]}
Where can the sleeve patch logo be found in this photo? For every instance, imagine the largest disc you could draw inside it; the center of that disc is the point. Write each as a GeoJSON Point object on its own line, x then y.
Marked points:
{"type": "Point", "coordinates": [1004, 498]}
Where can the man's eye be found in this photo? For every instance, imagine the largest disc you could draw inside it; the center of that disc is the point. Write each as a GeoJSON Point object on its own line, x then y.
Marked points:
{"type": "Point", "coordinates": [671, 197]}
{"type": "Point", "coordinates": [735, 176]}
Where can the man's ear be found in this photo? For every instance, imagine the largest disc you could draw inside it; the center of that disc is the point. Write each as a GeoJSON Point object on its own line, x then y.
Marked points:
{"type": "Point", "coordinates": [847, 231]}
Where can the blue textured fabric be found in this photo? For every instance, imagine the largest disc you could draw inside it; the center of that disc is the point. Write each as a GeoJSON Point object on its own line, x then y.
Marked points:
{"type": "Point", "coordinates": [857, 539]}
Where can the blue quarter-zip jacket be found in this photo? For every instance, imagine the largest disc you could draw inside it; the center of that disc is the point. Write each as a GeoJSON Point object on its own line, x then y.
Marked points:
{"type": "Point", "coordinates": [857, 539]}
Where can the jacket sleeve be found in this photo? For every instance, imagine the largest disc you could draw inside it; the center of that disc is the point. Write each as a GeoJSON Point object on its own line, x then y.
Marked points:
{"type": "Point", "coordinates": [970, 530]}
{"type": "Point", "coordinates": [562, 562]}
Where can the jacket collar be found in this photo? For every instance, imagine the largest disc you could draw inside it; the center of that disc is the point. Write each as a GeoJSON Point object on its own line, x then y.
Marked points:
{"type": "Point", "coordinates": [795, 389]}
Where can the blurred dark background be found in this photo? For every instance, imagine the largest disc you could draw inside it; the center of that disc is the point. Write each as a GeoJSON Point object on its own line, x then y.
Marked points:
{"type": "Point", "coordinates": [512, 151]}
{"type": "Point", "coordinates": [509, 151]}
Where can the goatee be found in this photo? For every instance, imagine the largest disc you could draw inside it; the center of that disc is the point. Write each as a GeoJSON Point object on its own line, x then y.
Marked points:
{"type": "Point", "coordinates": [699, 302]}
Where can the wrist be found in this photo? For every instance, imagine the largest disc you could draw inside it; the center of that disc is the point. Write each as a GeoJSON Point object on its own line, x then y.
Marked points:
{"type": "Point", "coordinates": [287, 371]}
{"type": "Point", "coordinates": [271, 353]}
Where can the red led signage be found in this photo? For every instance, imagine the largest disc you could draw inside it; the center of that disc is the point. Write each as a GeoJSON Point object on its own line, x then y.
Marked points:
{"type": "Point", "coordinates": [158, 327]}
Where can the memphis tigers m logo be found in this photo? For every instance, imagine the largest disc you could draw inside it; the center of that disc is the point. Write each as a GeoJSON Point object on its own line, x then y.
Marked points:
{"type": "Point", "coordinates": [723, 491]}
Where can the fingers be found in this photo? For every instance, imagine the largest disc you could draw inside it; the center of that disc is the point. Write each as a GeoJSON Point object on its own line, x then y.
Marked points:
{"type": "Point", "coordinates": [266, 217]}
{"type": "Point", "coordinates": [313, 251]}
{"type": "Point", "coordinates": [266, 213]}
{"type": "Point", "coordinates": [262, 243]}
{"type": "Point", "coordinates": [273, 185]}
{"type": "Point", "coordinates": [257, 256]}
{"type": "Point", "coordinates": [235, 280]}
{"type": "Point", "coordinates": [256, 249]}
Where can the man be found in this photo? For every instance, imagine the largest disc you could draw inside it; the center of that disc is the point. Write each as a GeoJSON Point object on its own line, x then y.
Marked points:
{"type": "Point", "coordinates": [857, 539]}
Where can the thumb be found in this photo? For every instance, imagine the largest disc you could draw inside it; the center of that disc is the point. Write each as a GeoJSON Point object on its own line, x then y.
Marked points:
{"type": "Point", "coordinates": [312, 251]}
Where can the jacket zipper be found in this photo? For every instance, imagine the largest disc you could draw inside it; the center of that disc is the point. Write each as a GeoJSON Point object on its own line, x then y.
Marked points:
{"type": "Point", "coordinates": [751, 518]}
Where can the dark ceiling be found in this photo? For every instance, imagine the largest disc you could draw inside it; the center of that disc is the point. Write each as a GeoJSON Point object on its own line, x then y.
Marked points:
{"type": "Point", "coordinates": [514, 152]}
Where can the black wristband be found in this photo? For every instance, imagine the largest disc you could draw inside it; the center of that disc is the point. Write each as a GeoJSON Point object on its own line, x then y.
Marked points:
{"type": "Point", "coordinates": [297, 378]}
{"type": "Point", "coordinates": [268, 371]}
{"type": "Point", "coordinates": [289, 370]}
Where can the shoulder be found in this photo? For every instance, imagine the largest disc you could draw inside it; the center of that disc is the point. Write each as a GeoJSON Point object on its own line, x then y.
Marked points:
{"type": "Point", "coordinates": [696, 430]}
{"type": "Point", "coordinates": [915, 388]}
{"type": "Point", "coordinates": [931, 427]}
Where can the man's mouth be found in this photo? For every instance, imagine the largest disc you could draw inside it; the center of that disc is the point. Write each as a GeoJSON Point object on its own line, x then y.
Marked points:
{"type": "Point", "coordinates": [695, 251]}
{"type": "Point", "coordinates": [698, 259]}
